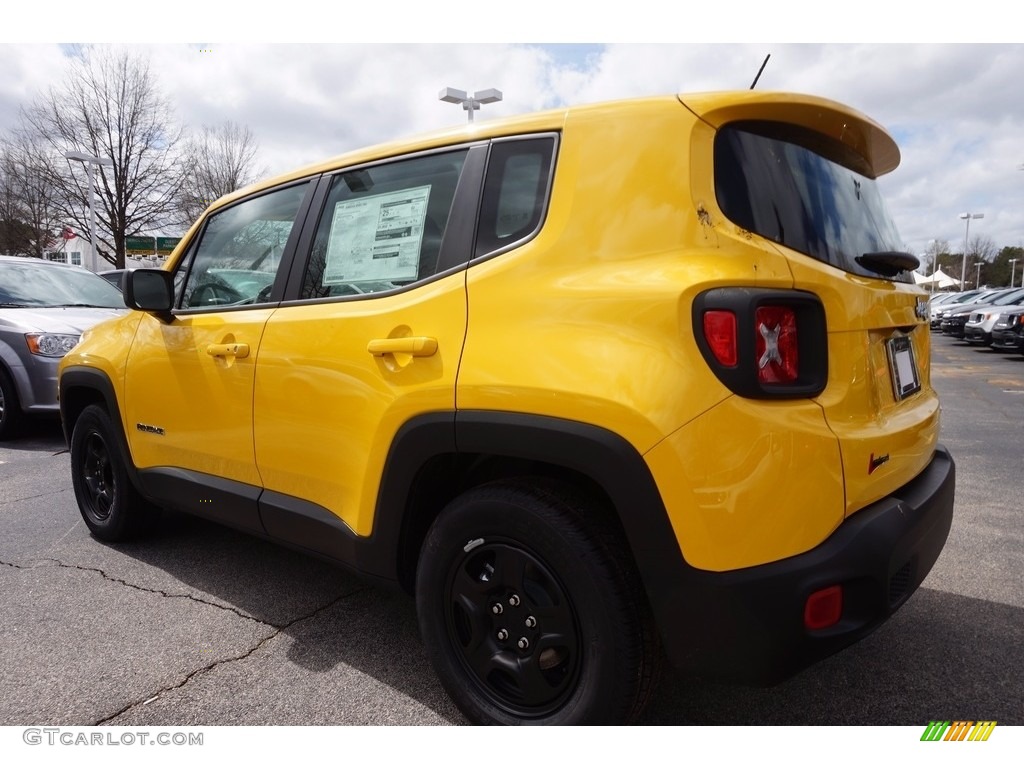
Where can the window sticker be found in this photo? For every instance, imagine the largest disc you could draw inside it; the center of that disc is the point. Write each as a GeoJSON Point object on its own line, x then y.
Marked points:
{"type": "Point", "coordinates": [377, 238]}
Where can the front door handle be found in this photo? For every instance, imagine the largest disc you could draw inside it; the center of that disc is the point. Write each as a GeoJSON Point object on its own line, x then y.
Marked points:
{"type": "Point", "coordinates": [228, 350]}
{"type": "Point", "coordinates": [417, 346]}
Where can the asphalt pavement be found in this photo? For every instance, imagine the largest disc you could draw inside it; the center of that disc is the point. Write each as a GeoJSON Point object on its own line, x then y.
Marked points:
{"type": "Point", "coordinates": [201, 625]}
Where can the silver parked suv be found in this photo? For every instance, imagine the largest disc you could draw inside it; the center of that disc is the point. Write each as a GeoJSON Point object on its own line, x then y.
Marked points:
{"type": "Point", "coordinates": [44, 307]}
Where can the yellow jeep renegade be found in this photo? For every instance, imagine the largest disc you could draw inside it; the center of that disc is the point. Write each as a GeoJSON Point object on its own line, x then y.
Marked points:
{"type": "Point", "coordinates": [598, 385]}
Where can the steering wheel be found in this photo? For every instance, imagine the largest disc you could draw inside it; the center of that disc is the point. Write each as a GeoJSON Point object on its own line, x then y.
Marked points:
{"type": "Point", "coordinates": [213, 294]}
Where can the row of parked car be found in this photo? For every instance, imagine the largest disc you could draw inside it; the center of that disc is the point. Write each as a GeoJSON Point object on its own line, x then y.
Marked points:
{"type": "Point", "coordinates": [992, 317]}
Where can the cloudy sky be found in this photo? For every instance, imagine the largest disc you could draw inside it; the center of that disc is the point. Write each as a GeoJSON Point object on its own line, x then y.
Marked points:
{"type": "Point", "coordinates": [955, 108]}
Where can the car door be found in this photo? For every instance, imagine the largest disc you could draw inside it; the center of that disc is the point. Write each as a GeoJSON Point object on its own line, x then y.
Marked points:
{"type": "Point", "coordinates": [371, 338]}
{"type": "Point", "coordinates": [189, 378]}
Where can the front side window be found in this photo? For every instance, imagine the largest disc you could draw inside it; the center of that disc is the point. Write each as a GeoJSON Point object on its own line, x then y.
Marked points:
{"type": "Point", "coordinates": [382, 227]}
{"type": "Point", "coordinates": [803, 191]}
{"type": "Point", "coordinates": [239, 251]}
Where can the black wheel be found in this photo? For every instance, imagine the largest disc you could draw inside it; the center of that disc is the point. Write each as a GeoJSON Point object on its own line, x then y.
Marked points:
{"type": "Point", "coordinates": [531, 611]}
{"type": "Point", "coordinates": [110, 505]}
{"type": "Point", "coordinates": [11, 417]}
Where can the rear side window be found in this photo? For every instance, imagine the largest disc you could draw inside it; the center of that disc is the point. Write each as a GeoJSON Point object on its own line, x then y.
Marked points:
{"type": "Point", "coordinates": [515, 192]}
{"type": "Point", "coordinates": [382, 227]}
{"type": "Point", "coordinates": [805, 191]}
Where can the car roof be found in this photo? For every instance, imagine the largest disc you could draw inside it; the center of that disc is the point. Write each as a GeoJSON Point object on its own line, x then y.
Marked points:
{"type": "Point", "coordinates": [862, 135]}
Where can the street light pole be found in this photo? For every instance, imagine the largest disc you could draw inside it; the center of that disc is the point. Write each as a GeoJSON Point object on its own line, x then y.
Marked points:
{"type": "Point", "coordinates": [470, 103]}
{"type": "Point", "coordinates": [89, 161]}
{"type": "Point", "coordinates": [1013, 270]}
{"type": "Point", "coordinates": [963, 266]}
{"type": "Point", "coordinates": [977, 279]}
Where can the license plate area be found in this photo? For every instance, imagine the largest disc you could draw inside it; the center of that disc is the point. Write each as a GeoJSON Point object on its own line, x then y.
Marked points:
{"type": "Point", "coordinates": [902, 367]}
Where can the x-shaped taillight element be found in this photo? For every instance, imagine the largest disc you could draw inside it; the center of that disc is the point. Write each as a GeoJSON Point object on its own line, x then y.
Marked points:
{"type": "Point", "coordinates": [771, 345]}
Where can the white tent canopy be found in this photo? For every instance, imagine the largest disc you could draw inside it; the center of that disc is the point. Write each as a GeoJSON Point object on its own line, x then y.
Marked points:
{"type": "Point", "coordinates": [937, 280]}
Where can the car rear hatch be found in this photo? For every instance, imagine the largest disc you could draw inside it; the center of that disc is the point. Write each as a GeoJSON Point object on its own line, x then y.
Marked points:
{"type": "Point", "coordinates": [800, 173]}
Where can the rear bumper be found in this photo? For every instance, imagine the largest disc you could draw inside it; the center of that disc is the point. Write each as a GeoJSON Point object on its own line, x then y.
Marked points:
{"type": "Point", "coordinates": [747, 625]}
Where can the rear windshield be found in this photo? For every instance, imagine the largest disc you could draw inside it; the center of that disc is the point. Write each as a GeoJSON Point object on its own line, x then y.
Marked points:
{"type": "Point", "coordinates": [805, 191]}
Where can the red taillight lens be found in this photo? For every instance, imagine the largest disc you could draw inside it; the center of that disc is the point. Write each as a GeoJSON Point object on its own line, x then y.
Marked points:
{"type": "Point", "coordinates": [720, 332]}
{"type": "Point", "coordinates": [775, 345]}
{"type": "Point", "coordinates": [824, 608]}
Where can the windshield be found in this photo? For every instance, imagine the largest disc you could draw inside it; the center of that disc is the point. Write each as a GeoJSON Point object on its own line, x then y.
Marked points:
{"type": "Point", "coordinates": [800, 189]}
{"type": "Point", "coordinates": [39, 284]}
{"type": "Point", "coordinates": [1009, 298]}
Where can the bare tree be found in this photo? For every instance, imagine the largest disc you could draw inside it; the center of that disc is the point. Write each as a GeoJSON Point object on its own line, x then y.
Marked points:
{"type": "Point", "coordinates": [219, 160]}
{"type": "Point", "coordinates": [935, 249]}
{"type": "Point", "coordinates": [110, 106]}
{"type": "Point", "coordinates": [982, 248]}
{"type": "Point", "coordinates": [28, 209]}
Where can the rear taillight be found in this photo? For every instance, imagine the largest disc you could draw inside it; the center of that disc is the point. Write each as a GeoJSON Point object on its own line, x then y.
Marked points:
{"type": "Point", "coordinates": [763, 343]}
{"type": "Point", "coordinates": [720, 332]}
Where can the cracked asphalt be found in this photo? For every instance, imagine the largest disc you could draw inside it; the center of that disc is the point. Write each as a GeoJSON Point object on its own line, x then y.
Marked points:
{"type": "Point", "coordinates": [201, 625]}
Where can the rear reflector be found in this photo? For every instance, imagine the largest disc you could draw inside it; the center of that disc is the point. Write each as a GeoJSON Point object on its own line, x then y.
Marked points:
{"type": "Point", "coordinates": [824, 608]}
{"type": "Point", "coordinates": [720, 333]}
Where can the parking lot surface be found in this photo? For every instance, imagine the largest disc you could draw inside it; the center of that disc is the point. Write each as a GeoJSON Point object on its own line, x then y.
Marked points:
{"type": "Point", "coordinates": [200, 625]}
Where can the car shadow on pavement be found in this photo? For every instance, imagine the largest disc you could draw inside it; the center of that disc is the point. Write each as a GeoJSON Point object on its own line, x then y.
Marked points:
{"type": "Point", "coordinates": [941, 656]}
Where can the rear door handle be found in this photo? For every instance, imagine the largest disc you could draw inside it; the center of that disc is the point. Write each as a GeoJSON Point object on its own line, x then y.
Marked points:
{"type": "Point", "coordinates": [228, 350]}
{"type": "Point", "coordinates": [417, 346]}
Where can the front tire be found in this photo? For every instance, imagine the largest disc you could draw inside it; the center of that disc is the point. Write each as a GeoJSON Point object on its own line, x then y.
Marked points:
{"type": "Point", "coordinates": [110, 505]}
{"type": "Point", "coordinates": [531, 610]}
{"type": "Point", "coordinates": [11, 417]}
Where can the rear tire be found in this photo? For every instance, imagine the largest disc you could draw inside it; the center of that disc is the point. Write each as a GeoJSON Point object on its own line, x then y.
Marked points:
{"type": "Point", "coordinates": [110, 505]}
{"type": "Point", "coordinates": [531, 610]}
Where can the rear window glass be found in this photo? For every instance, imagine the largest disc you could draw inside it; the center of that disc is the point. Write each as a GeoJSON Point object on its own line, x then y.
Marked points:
{"type": "Point", "coordinates": [383, 226]}
{"type": "Point", "coordinates": [804, 191]}
{"type": "Point", "coordinates": [515, 192]}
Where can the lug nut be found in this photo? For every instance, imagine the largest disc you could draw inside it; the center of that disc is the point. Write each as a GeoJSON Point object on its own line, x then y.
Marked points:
{"type": "Point", "coordinates": [523, 643]}
{"type": "Point", "coordinates": [496, 609]}
{"type": "Point", "coordinates": [502, 634]}
{"type": "Point", "coordinates": [514, 600]}
{"type": "Point", "coordinates": [531, 622]}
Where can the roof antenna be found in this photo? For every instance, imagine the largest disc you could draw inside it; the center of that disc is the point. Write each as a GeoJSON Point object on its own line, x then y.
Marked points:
{"type": "Point", "coordinates": [763, 65]}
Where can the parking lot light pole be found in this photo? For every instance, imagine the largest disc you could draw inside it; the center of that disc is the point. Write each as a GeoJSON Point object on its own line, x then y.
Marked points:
{"type": "Point", "coordinates": [977, 278]}
{"type": "Point", "coordinates": [963, 266]}
{"type": "Point", "coordinates": [1013, 271]}
{"type": "Point", "coordinates": [470, 103]}
{"type": "Point", "coordinates": [89, 161]}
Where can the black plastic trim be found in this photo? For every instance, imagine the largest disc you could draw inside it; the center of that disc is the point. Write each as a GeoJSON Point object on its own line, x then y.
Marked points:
{"type": "Point", "coordinates": [308, 526]}
{"type": "Point", "coordinates": [75, 379]}
{"type": "Point", "coordinates": [215, 498]}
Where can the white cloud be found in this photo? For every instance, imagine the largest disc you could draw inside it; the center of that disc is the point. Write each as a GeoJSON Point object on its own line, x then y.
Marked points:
{"type": "Point", "coordinates": [954, 109]}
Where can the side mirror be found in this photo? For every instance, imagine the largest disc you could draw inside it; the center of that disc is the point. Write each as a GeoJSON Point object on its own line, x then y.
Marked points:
{"type": "Point", "coordinates": [151, 290]}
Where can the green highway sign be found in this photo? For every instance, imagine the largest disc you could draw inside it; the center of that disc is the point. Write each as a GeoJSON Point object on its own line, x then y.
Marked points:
{"type": "Point", "coordinates": [139, 246]}
{"type": "Point", "coordinates": [164, 245]}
